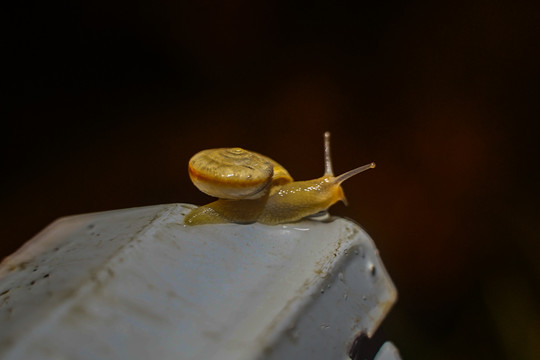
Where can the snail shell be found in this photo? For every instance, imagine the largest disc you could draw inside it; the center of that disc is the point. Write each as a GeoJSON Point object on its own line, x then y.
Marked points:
{"type": "Point", "coordinates": [235, 173]}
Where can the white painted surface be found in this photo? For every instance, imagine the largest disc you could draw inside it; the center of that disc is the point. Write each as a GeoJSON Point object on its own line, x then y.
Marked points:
{"type": "Point", "coordinates": [137, 284]}
{"type": "Point", "coordinates": [388, 352]}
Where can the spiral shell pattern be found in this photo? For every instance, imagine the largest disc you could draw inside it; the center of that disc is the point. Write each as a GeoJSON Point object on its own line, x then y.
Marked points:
{"type": "Point", "coordinates": [231, 173]}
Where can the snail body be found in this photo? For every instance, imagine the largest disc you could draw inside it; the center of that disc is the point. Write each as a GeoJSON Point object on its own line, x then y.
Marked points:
{"type": "Point", "coordinates": [254, 188]}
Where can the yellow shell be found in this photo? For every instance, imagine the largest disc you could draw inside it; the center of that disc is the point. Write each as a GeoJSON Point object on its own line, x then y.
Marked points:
{"type": "Point", "coordinates": [234, 173]}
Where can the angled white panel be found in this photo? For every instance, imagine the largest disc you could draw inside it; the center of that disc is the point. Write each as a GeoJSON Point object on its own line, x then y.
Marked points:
{"type": "Point", "coordinates": [138, 284]}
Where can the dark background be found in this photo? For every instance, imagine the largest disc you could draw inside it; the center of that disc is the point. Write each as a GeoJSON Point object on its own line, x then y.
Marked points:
{"type": "Point", "coordinates": [107, 100]}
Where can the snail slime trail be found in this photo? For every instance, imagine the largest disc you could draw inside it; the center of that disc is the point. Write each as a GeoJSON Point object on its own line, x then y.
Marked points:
{"type": "Point", "coordinates": [251, 187]}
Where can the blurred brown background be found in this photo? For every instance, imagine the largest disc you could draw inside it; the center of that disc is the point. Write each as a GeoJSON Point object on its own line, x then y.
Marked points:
{"type": "Point", "coordinates": [107, 100]}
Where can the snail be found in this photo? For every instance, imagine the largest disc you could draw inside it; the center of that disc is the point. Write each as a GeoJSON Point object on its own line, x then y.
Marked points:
{"type": "Point", "coordinates": [251, 187]}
